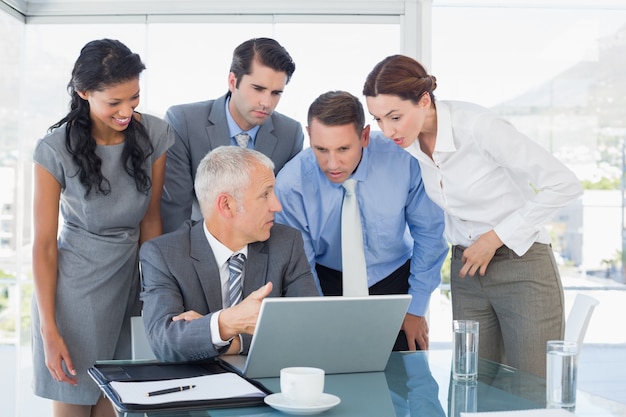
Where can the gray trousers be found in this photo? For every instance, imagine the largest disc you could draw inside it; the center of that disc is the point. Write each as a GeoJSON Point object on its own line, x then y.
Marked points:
{"type": "Point", "coordinates": [518, 303]}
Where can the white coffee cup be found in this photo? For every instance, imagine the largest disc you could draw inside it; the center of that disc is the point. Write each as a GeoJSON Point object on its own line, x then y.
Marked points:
{"type": "Point", "coordinates": [302, 386]}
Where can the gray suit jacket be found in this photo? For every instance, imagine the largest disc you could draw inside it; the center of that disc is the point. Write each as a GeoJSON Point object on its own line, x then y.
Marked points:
{"type": "Point", "coordinates": [201, 127]}
{"type": "Point", "coordinates": [180, 274]}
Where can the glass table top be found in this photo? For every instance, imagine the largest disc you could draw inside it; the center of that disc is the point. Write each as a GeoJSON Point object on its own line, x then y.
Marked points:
{"type": "Point", "coordinates": [419, 384]}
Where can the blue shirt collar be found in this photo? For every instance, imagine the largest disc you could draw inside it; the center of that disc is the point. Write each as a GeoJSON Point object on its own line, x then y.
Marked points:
{"type": "Point", "coordinates": [361, 170]}
{"type": "Point", "coordinates": [233, 127]}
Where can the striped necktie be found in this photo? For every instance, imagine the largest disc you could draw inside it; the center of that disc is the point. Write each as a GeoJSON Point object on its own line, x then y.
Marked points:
{"type": "Point", "coordinates": [242, 139]}
{"type": "Point", "coordinates": [235, 268]}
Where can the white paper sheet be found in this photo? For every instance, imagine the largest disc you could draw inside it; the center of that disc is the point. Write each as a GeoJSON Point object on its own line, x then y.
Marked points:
{"type": "Point", "coordinates": [542, 412]}
{"type": "Point", "coordinates": [207, 387]}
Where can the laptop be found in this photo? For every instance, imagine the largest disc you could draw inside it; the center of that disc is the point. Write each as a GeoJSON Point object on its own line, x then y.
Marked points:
{"type": "Point", "coordinates": [335, 333]}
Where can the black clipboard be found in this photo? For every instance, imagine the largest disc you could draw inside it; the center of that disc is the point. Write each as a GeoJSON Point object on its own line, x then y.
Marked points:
{"type": "Point", "coordinates": [103, 373]}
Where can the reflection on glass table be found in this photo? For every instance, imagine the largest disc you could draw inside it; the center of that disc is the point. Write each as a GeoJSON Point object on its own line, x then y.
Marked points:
{"type": "Point", "coordinates": [419, 384]}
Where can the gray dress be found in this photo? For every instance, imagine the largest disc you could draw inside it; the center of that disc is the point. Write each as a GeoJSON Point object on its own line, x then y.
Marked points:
{"type": "Point", "coordinates": [98, 273]}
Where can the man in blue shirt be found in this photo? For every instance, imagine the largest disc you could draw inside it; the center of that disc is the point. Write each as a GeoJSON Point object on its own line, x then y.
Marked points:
{"type": "Point", "coordinates": [391, 196]}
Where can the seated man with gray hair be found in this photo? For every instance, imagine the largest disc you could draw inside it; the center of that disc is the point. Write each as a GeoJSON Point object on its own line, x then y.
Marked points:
{"type": "Point", "coordinates": [203, 284]}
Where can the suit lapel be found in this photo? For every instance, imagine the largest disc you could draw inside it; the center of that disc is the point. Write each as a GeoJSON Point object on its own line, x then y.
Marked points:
{"type": "Point", "coordinates": [217, 128]}
{"type": "Point", "coordinates": [256, 268]}
{"type": "Point", "coordinates": [266, 141]}
{"type": "Point", "coordinates": [206, 267]}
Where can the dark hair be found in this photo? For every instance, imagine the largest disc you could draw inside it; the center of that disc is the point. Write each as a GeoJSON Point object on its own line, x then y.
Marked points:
{"type": "Point", "coordinates": [338, 108]}
{"type": "Point", "coordinates": [101, 64]}
{"type": "Point", "coordinates": [401, 76]}
{"type": "Point", "coordinates": [267, 52]}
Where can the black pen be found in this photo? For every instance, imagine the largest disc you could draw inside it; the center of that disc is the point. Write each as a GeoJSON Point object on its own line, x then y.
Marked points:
{"type": "Point", "coordinates": [169, 390]}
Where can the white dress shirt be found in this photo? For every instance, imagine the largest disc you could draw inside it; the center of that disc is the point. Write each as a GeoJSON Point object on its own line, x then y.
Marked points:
{"type": "Point", "coordinates": [221, 253]}
{"type": "Point", "coordinates": [487, 175]}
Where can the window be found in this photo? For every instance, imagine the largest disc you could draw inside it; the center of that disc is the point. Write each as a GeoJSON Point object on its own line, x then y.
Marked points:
{"type": "Point", "coordinates": [555, 74]}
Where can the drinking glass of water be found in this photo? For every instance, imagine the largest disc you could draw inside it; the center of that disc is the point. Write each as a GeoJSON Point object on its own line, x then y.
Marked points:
{"type": "Point", "coordinates": [465, 352]}
{"type": "Point", "coordinates": [561, 370]}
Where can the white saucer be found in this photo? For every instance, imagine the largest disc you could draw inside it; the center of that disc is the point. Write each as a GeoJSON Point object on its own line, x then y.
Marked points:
{"type": "Point", "coordinates": [279, 402]}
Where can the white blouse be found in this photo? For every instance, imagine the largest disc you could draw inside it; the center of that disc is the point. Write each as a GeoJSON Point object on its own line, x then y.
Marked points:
{"type": "Point", "coordinates": [487, 175]}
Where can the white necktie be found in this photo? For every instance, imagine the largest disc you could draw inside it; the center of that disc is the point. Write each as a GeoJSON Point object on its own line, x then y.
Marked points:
{"type": "Point", "coordinates": [242, 139]}
{"type": "Point", "coordinates": [352, 253]}
{"type": "Point", "coordinates": [235, 267]}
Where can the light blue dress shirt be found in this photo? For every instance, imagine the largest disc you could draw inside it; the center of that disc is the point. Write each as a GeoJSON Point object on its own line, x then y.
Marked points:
{"type": "Point", "coordinates": [391, 197]}
{"type": "Point", "coordinates": [234, 129]}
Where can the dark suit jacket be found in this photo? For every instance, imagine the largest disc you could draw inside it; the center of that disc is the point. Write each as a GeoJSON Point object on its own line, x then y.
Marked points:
{"type": "Point", "coordinates": [180, 273]}
{"type": "Point", "coordinates": [201, 127]}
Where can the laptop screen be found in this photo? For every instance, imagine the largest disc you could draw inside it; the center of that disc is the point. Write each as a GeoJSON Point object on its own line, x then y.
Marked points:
{"type": "Point", "coordinates": [337, 334]}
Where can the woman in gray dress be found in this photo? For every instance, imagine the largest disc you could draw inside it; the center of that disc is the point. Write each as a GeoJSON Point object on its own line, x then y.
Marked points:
{"type": "Point", "coordinates": [102, 167]}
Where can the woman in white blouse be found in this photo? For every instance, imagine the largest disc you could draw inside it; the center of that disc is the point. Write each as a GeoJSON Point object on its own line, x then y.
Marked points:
{"type": "Point", "coordinates": [498, 189]}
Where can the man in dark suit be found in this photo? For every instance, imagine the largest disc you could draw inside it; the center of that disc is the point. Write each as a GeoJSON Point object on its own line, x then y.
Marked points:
{"type": "Point", "coordinates": [191, 292]}
{"type": "Point", "coordinates": [259, 71]}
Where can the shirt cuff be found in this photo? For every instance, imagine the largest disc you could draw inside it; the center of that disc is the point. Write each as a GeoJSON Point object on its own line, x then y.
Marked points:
{"type": "Point", "coordinates": [516, 233]}
{"type": "Point", "coordinates": [215, 333]}
{"type": "Point", "coordinates": [418, 305]}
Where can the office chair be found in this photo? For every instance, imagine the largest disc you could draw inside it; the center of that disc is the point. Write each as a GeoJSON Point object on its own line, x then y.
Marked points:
{"type": "Point", "coordinates": [578, 318]}
{"type": "Point", "coordinates": [140, 347]}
